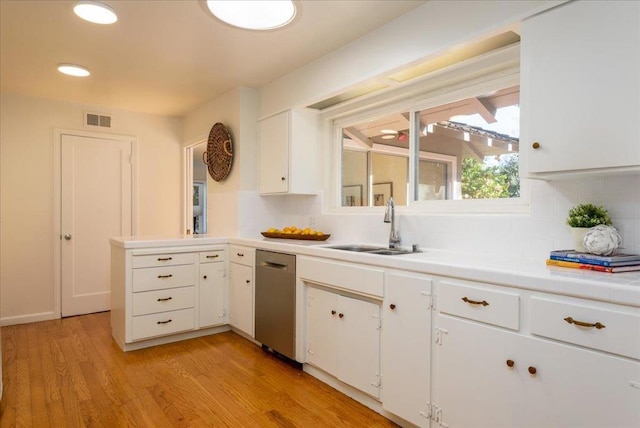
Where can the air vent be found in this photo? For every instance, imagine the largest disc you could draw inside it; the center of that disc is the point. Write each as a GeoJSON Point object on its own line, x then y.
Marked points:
{"type": "Point", "coordinates": [96, 119]}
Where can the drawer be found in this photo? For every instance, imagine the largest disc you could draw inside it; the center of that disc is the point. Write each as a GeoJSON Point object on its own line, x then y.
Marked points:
{"type": "Point", "coordinates": [480, 304]}
{"type": "Point", "coordinates": [154, 260]}
{"type": "Point", "coordinates": [619, 331]}
{"type": "Point", "coordinates": [350, 277]}
{"type": "Point", "coordinates": [163, 277]}
{"type": "Point", "coordinates": [212, 256]}
{"type": "Point", "coordinates": [242, 255]}
{"type": "Point", "coordinates": [171, 299]}
{"type": "Point", "coordinates": [161, 324]}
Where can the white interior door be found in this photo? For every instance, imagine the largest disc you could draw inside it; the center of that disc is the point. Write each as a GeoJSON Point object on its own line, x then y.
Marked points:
{"type": "Point", "coordinates": [95, 206]}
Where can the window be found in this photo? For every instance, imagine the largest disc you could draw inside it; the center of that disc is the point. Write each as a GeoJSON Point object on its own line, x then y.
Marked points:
{"type": "Point", "coordinates": [461, 148]}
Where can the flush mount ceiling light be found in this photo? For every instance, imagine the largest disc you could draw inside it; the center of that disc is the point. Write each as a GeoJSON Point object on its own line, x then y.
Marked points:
{"type": "Point", "coordinates": [95, 12]}
{"type": "Point", "coordinates": [388, 131]}
{"type": "Point", "coordinates": [253, 14]}
{"type": "Point", "coordinates": [73, 70]}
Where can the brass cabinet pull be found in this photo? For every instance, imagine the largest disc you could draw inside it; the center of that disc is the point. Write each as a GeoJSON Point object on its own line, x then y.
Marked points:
{"type": "Point", "coordinates": [164, 299]}
{"type": "Point", "coordinates": [532, 370]}
{"type": "Point", "coordinates": [164, 322]}
{"type": "Point", "coordinates": [536, 145]}
{"type": "Point", "coordinates": [213, 257]}
{"type": "Point", "coordinates": [333, 312]}
{"type": "Point", "coordinates": [282, 178]}
{"type": "Point", "coordinates": [341, 315]}
{"type": "Point", "coordinates": [165, 276]}
{"type": "Point", "coordinates": [510, 363]}
{"type": "Point", "coordinates": [164, 259]}
{"type": "Point", "coordinates": [475, 302]}
{"type": "Point", "coordinates": [597, 325]}
{"type": "Point", "coordinates": [240, 254]}
{"type": "Point", "coordinates": [392, 306]}
{"type": "Point", "coordinates": [248, 281]}
{"type": "Point", "coordinates": [204, 277]}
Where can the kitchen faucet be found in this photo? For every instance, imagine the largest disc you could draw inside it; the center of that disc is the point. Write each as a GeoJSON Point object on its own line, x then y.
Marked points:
{"type": "Point", "coordinates": [390, 217]}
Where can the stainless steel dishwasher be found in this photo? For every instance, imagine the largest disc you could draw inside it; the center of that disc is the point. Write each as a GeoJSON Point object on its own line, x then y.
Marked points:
{"type": "Point", "coordinates": [275, 309]}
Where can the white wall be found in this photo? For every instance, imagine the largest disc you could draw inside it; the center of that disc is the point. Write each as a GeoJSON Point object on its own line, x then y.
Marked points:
{"type": "Point", "coordinates": [26, 132]}
{"type": "Point", "coordinates": [237, 110]}
{"type": "Point", "coordinates": [424, 32]}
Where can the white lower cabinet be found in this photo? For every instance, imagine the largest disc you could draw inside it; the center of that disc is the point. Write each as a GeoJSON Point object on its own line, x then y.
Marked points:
{"type": "Point", "coordinates": [406, 346]}
{"type": "Point", "coordinates": [343, 338]}
{"type": "Point", "coordinates": [491, 371]}
{"type": "Point", "coordinates": [491, 377]}
{"type": "Point", "coordinates": [212, 299]}
{"type": "Point", "coordinates": [241, 289]}
{"type": "Point", "coordinates": [474, 385]}
{"type": "Point", "coordinates": [163, 294]}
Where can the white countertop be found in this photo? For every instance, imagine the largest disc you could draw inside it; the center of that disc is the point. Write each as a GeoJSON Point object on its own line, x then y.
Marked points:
{"type": "Point", "coordinates": [622, 288]}
{"type": "Point", "coordinates": [130, 242]}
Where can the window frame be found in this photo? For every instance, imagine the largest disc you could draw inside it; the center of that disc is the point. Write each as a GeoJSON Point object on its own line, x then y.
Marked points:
{"type": "Point", "coordinates": [483, 76]}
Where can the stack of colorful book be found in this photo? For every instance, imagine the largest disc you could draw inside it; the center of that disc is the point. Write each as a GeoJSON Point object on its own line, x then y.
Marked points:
{"type": "Point", "coordinates": [617, 262]}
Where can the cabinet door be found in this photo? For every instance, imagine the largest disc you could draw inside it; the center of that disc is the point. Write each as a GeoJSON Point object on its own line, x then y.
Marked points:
{"type": "Point", "coordinates": [241, 297]}
{"type": "Point", "coordinates": [406, 347]}
{"type": "Point", "coordinates": [211, 303]}
{"type": "Point", "coordinates": [274, 154]}
{"type": "Point", "coordinates": [580, 68]}
{"type": "Point", "coordinates": [359, 344]}
{"type": "Point", "coordinates": [473, 382]}
{"type": "Point", "coordinates": [575, 387]}
{"type": "Point", "coordinates": [322, 333]}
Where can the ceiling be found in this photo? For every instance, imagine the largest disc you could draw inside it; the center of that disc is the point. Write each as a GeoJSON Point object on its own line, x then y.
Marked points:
{"type": "Point", "coordinates": [168, 57]}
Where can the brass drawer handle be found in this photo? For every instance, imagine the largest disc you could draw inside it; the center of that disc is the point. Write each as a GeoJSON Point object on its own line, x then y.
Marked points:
{"type": "Point", "coordinates": [164, 299]}
{"type": "Point", "coordinates": [535, 145]}
{"type": "Point", "coordinates": [475, 302]}
{"type": "Point", "coordinates": [511, 363]}
{"type": "Point", "coordinates": [165, 276]}
{"type": "Point", "coordinates": [392, 306]}
{"type": "Point", "coordinates": [213, 257]}
{"type": "Point", "coordinates": [240, 254]}
{"type": "Point", "coordinates": [164, 259]}
{"type": "Point", "coordinates": [597, 325]}
{"type": "Point", "coordinates": [341, 315]}
{"type": "Point", "coordinates": [333, 312]}
{"type": "Point", "coordinates": [164, 322]}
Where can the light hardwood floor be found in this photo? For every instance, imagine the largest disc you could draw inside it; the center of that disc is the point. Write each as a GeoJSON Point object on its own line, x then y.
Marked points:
{"type": "Point", "coordinates": [70, 373]}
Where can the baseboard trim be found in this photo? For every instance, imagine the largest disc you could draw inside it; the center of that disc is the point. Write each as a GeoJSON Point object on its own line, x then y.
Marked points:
{"type": "Point", "coordinates": [25, 319]}
{"type": "Point", "coordinates": [171, 338]}
{"type": "Point", "coordinates": [362, 398]}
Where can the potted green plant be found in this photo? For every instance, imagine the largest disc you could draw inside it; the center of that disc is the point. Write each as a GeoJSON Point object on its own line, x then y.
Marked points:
{"type": "Point", "coordinates": [583, 217]}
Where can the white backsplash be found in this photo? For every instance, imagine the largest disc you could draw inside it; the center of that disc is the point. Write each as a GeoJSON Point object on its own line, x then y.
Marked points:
{"type": "Point", "coordinates": [530, 235]}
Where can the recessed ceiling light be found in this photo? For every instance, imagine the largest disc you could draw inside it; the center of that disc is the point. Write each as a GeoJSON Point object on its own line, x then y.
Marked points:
{"type": "Point", "coordinates": [95, 12]}
{"type": "Point", "coordinates": [253, 14]}
{"type": "Point", "coordinates": [388, 131]}
{"type": "Point", "coordinates": [73, 70]}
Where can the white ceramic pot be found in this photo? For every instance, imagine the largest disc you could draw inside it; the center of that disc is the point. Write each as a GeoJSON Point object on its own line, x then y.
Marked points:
{"type": "Point", "coordinates": [578, 238]}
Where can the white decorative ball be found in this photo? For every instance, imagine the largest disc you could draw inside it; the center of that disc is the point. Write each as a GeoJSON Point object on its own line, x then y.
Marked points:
{"type": "Point", "coordinates": [602, 239]}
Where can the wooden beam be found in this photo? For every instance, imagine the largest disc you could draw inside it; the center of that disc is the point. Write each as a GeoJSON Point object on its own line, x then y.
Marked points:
{"type": "Point", "coordinates": [484, 109]}
{"type": "Point", "coordinates": [358, 137]}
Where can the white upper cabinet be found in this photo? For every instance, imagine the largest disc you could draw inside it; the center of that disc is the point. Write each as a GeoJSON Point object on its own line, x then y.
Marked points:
{"type": "Point", "coordinates": [580, 75]}
{"type": "Point", "coordinates": [289, 152]}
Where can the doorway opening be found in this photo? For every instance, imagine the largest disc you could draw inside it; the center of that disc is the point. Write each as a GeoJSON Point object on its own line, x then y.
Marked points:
{"type": "Point", "coordinates": [195, 189]}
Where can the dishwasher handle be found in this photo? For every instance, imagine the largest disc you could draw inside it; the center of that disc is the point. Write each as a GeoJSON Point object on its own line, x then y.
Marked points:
{"type": "Point", "coordinates": [273, 265]}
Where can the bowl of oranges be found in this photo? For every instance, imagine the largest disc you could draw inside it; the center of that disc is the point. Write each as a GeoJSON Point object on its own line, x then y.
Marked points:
{"type": "Point", "coordinates": [294, 232]}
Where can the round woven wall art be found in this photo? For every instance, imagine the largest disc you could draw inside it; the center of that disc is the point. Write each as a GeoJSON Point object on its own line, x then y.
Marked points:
{"type": "Point", "coordinates": [219, 154]}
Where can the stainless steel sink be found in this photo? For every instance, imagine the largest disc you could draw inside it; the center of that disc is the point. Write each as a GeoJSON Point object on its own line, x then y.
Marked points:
{"type": "Point", "coordinates": [369, 249]}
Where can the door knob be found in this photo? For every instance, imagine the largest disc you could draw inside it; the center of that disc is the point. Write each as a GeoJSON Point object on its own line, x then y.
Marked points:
{"type": "Point", "coordinates": [67, 237]}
